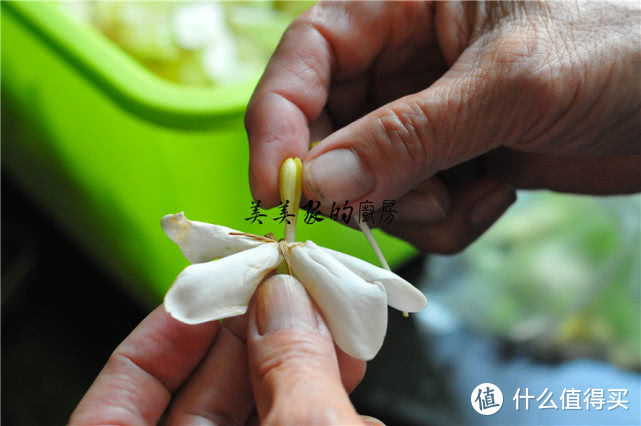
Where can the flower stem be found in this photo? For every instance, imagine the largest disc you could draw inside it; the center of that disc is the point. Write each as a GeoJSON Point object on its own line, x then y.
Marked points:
{"type": "Point", "coordinates": [290, 186]}
{"type": "Point", "coordinates": [377, 250]}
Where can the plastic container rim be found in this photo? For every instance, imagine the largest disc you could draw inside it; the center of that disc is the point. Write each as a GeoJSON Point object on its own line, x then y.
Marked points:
{"type": "Point", "coordinates": [125, 80]}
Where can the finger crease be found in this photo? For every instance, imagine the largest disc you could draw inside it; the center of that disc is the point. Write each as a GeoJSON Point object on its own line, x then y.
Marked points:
{"type": "Point", "coordinates": [334, 64]}
{"type": "Point", "coordinates": [231, 331]}
{"type": "Point", "coordinates": [285, 97]}
{"type": "Point", "coordinates": [129, 359]}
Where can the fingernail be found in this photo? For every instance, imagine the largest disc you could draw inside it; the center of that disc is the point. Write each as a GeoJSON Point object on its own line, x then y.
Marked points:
{"type": "Point", "coordinates": [337, 175]}
{"type": "Point", "coordinates": [282, 303]}
{"type": "Point", "coordinates": [492, 205]}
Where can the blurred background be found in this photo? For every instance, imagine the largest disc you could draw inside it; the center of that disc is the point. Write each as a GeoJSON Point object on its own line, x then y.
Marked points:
{"type": "Point", "coordinates": [117, 113]}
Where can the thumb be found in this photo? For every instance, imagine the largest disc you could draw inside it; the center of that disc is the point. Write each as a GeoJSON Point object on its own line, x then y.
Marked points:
{"type": "Point", "coordinates": [389, 151]}
{"type": "Point", "coordinates": [292, 360]}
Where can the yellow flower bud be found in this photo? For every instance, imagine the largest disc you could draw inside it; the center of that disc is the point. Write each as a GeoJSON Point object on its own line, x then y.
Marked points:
{"type": "Point", "coordinates": [291, 172]}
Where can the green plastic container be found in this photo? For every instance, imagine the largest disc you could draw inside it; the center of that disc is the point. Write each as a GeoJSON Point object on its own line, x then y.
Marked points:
{"type": "Point", "coordinates": [108, 149]}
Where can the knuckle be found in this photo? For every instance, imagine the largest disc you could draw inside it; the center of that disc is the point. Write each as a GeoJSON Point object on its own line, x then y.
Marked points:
{"type": "Point", "coordinates": [313, 60]}
{"type": "Point", "coordinates": [296, 357]}
{"type": "Point", "coordinates": [314, 34]}
{"type": "Point", "coordinates": [404, 131]}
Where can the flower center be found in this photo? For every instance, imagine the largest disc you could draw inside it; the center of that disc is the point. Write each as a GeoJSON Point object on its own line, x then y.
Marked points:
{"type": "Point", "coordinates": [283, 245]}
{"type": "Point", "coordinates": [284, 251]}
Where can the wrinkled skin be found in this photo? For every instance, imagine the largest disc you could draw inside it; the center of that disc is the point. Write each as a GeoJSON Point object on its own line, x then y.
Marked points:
{"type": "Point", "coordinates": [448, 107]}
{"type": "Point", "coordinates": [245, 370]}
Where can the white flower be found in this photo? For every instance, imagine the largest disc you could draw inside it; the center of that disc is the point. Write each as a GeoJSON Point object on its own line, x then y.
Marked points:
{"type": "Point", "coordinates": [351, 294]}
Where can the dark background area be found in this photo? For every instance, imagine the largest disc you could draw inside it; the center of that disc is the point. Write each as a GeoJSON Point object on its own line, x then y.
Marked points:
{"type": "Point", "coordinates": [61, 316]}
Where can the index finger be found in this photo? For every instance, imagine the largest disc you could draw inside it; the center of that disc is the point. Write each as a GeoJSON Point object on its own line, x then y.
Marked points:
{"type": "Point", "coordinates": [329, 41]}
{"type": "Point", "coordinates": [136, 384]}
{"type": "Point", "coordinates": [290, 95]}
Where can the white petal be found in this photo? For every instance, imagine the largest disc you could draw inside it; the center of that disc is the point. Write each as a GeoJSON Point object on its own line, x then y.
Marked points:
{"type": "Point", "coordinates": [222, 288]}
{"type": "Point", "coordinates": [401, 294]}
{"type": "Point", "coordinates": [202, 242]}
{"type": "Point", "coordinates": [354, 310]}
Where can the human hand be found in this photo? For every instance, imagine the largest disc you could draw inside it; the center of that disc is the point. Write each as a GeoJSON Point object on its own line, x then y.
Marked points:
{"type": "Point", "coordinates": [448, 107]}
{"type": "Point", "coordinates": [277, 363]}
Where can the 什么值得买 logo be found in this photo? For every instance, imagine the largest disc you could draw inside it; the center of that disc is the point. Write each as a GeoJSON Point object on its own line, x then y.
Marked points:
{"type": "Point", "coordinates": [486, 399]}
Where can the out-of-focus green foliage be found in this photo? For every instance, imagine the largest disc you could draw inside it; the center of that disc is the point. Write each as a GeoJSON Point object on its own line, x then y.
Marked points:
{"type": "Point", "coordinates": [193, 42]}
{"type": "Point", "coordinates": [562, 272]}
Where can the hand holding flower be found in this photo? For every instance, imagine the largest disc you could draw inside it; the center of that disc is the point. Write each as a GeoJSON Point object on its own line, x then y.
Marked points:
{"type": "Point", "coordinates": [282, 349]}
{"type": "Point", "coordinates": [351, 294]}
{"type": "Point", "coordinates": [247, 369]}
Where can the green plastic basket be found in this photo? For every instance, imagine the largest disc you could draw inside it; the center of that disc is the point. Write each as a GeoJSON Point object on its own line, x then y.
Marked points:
{"type": "Point", "coordinates": [108, 149]}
